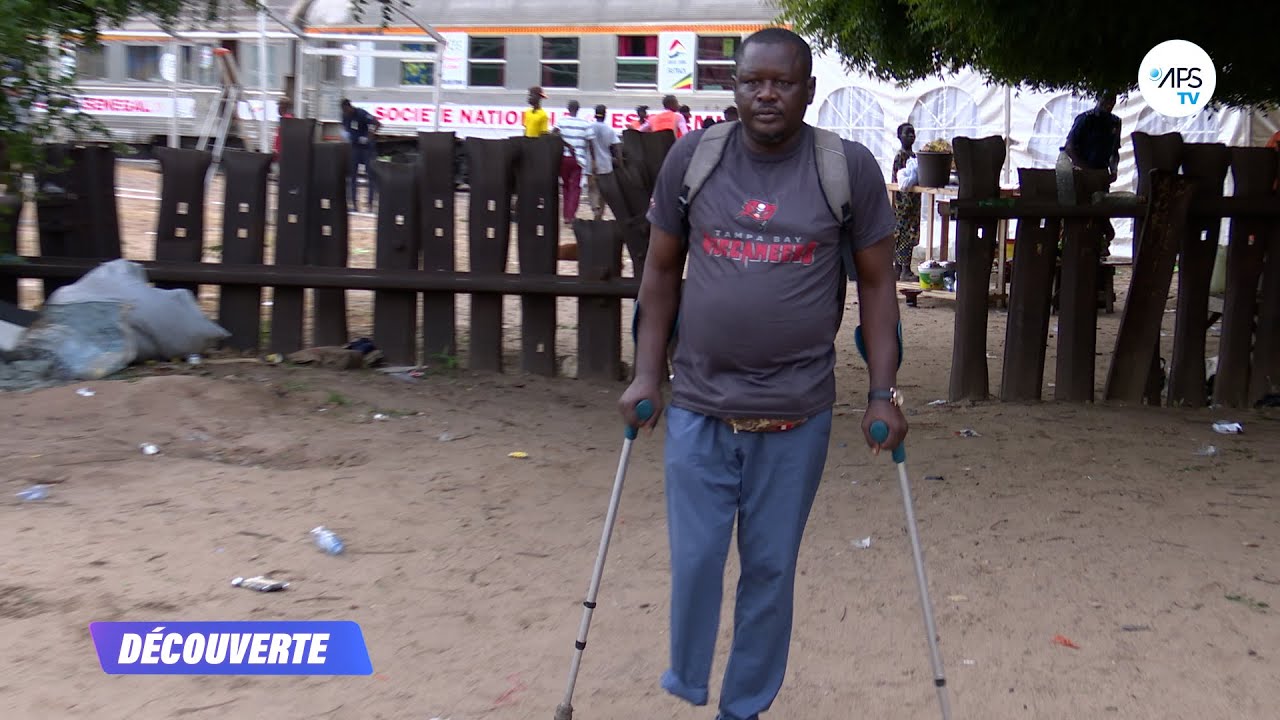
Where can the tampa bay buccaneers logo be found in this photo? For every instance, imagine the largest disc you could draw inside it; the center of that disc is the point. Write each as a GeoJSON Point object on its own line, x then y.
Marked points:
{"type": "Point", "coordinates": [759, 211]}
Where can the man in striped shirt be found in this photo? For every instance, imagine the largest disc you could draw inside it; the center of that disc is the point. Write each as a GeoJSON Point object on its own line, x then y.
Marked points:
{"type": "Point", "coordinates": [575, 132]}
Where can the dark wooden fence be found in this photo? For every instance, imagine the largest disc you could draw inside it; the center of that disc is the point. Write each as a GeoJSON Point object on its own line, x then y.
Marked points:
{"type": "Point", "coordinates": [1179, 210]}
{"type": "Point", "coordinates": [415, 247]}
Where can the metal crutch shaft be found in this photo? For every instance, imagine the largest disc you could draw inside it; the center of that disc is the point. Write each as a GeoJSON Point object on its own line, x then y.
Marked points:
{"type": "Point", "coordinates": [564, 711]}
{"type": "Point", "coordinates": [880, 432]}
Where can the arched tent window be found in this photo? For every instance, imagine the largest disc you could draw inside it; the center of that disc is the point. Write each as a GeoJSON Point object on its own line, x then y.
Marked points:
{"type": "Point", "coordinates": [853, 114]}
{"type": "Point", "coordinates": [946, 113]}
{"type": "Point", "coordinates": [1053, 122]}
{"type": "Point", "coordinates": [1203, 127]}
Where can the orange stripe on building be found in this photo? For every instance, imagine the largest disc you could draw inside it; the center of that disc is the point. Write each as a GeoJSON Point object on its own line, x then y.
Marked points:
{"type": "Point", "coordinates": [734, 28]}
{"type": "Point", "coordinates": [395, 30]}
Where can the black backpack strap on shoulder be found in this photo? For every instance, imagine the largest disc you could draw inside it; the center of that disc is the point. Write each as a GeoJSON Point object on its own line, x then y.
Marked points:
{"type": "Point", "coordinates": [706, 156]}
{"type": "Point", "coordinates": [833, 175]}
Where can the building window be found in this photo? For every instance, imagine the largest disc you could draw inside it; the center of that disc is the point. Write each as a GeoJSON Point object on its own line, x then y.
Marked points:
{"type": "Point", "coordinates": [487, 62]}
{"type": "Point", "coordinates": [637, 61]}
{"type": "Point", "coordinates": [91, 63]}
{"type": "Point", "coordinates": [560, 62]}
{"type": "Point", "coordinates": [330, 65]}
{"type": "Point", "coordinates": [197, 64]}
{"type": "Point", "coordinates": [715, 61]}
{"type": "Point", "coordinates": [415, 73]}
{"type": "Point", "coordinates": [143, 63]}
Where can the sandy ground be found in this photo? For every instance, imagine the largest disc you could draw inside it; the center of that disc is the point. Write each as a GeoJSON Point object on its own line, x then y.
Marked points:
{"type": "Point", "coordinates": [466, 568]}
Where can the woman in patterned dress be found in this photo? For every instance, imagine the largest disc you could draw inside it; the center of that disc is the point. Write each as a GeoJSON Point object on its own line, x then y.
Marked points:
{"type": "Point", "coordinates": [906, 206]}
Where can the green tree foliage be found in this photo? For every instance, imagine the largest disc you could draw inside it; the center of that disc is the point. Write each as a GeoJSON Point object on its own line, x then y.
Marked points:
{"type": "Point", "coordinates": [36, 41]}
{"type": "Point", "coordinates": [1077, 45]}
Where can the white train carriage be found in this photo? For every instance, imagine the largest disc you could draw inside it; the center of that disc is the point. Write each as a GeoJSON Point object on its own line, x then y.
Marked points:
{"type": "Point", "coordinates": [463, 66]}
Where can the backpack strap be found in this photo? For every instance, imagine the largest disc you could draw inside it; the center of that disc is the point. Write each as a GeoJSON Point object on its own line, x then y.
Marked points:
{"type": "Point", "coordinates": [833, 175]}
{"type": "Point", "coordinates": [706, 156]}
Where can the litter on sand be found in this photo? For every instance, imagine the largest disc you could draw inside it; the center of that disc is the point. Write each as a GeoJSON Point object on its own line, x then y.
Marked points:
{"type": "Point", "coordinates": [35, 492]}
{"type": "Point", "coordinates": [518, 454]}
{"type": "Point", "coordinates": [967, 432]}
{"type": "Point", "coordinates": [1065, 641]}
{"type": "Point", "coordinates": [259, 583]}
{"type": "Point", "coordinates": [1207, 451]}
{"type": "Point", "coordinates": [1228, 428]}
{"type": "Point", "coordinates": [148, 449]}
{"type": "Point", "coordinates": [863, 544]}
{"type": "Point", "coordinates": [85, 392]}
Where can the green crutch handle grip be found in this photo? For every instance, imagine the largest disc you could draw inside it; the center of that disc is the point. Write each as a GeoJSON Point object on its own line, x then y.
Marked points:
{"type": "Point", "coordinates": [880, 433]}
{"type": "Point", "coordinates": [644, 411]}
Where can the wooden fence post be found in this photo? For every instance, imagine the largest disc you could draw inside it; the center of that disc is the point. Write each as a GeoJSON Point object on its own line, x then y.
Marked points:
{"type": "Point", "coordinates": [244, 235]}
{"type": "Point", "coordinates": [1153, 152]}
{"type": "Point", "coordinates": [1078, 296]}
{"type": "Point", "coordinates": [599, 319]}
{"type": "Point", "coordinates": [1264, 377]}
{"type": "Point", "coordinates": [489, 215]}
{"type": "Point", "coordinates": [293, 220]}
{"type": "Point", "coordinates": [395, 312]}
{"type": "Point", "coordinates": [11, 203]}
{"type": "Point", "coordinates": [1208, 164]}
{"type": "Point", "coordinates": [1035, 256]}
{"type": "Point", "coordinates": [978, 164]}
{"type": "Point", "coordinates": [1138, 340]}
{"type": "Point", "coordinates": [92, 183]}
{"type": "Point", "coordinates": [537, 241]}
{"type": "Point", "coordinates": [436, 207]}
{"type": "Point", "coordinates": [1254, 172]}
{"type": "Point", "coordinates": [329, 244]}
{"type": "Point", "coordinates": [180, 225]}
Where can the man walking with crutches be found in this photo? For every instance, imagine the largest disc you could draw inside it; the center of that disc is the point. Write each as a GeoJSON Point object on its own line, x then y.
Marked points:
{"type": "Point", "coordinates": [749, 422]}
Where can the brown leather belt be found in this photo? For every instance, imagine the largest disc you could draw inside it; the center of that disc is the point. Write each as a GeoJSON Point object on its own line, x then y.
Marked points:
{"type": "Point", "coordinates": [762, 424]}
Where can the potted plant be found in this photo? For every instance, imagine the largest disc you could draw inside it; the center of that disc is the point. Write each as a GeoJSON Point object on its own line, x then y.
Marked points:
{"type": "Point", "coordinates": [934, 164]}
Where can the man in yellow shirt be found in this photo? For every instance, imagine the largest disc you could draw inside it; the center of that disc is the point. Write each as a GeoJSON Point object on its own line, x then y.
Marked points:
{"type": "Point", "coordinates": [535, 118]}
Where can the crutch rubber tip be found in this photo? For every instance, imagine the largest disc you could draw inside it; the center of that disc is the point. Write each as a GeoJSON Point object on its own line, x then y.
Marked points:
{"type": "Point", "coordinates": [564, 712]}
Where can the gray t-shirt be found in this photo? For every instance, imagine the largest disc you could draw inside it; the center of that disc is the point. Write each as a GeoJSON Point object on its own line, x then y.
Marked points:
{"type": "Point", "coordinates": [760, 305]}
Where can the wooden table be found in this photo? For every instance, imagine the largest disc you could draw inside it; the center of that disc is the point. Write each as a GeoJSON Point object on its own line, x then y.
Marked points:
{"type": "Point", "coordinates": [938, 208]}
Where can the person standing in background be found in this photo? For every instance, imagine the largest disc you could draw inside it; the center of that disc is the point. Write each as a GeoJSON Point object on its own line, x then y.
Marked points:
{"type": "Point", "coordinates": [603, 140]}
{"type": "Point", "coordinates": [906, 206]}
{"type": "Point", "coordinates": [359, 127]}
{"type": "Point", "coordinates": [668, 119]}
{"type": "Point", "coordinates": [536, 123]}
{"type": "Point", "coordinates": [575, 132]}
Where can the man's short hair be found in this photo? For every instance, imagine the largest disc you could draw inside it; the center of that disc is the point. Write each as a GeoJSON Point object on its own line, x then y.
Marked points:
{"type": "Point", "coordinates": [345, 102]}
{"type": "Point", "coordinates": [574, 106]}
{"type": "Point", "coordinates": [778, 36]}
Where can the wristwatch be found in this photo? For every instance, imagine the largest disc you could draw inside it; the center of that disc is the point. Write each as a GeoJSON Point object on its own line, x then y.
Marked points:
{"type": "Point", "coordinates": [893, 395]}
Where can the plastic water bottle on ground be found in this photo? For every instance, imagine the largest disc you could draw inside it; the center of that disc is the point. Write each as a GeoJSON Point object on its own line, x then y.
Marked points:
{"type": "Point", "coordinates": [35, 492]}
{"type": "Point", "coordinates": [327, 541]}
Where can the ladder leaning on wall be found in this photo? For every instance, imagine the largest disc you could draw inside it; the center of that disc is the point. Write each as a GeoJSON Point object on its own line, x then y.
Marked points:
{"type": "Point", "coordinates": [222, 111]}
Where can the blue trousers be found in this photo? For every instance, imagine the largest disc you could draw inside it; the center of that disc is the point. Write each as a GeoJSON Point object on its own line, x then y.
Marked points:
{"type": "Point", "coordinates": [364, 155]}
{"type": "Point", "coordinates": [767, 482]}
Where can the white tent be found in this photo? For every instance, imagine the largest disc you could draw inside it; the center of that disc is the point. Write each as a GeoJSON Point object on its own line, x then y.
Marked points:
{"type": "Point", "coordinates": [869, 111]}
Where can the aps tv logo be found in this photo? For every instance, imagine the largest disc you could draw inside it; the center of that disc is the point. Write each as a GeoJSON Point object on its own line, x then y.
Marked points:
{"type": "Point", "coordinates": [1177, 78]}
